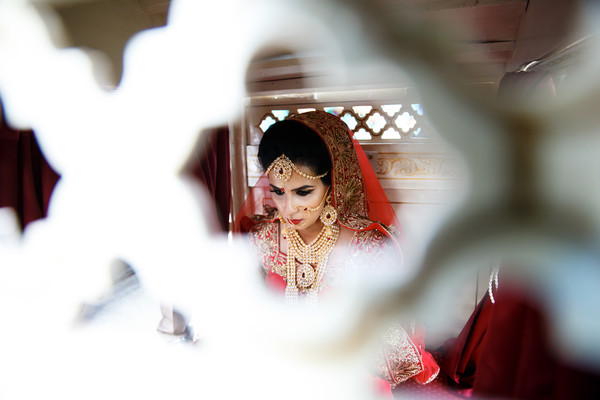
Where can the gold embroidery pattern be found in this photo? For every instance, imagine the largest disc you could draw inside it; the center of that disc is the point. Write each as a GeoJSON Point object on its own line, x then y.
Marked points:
{"type": "Point", "coordinates": [357, 222]}
{"type": "Point", "coordinates": [369, 245]}
{"type": "Point", "coordinates": [265, 238]}
{"type": "Point", "coordinates": [398, 358]}
{"type": "Point", "coordinates": [369, 242]}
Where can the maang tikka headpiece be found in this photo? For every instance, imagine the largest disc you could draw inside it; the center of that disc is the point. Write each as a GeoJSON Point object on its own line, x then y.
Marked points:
{"type": "Point", "coordinates": [282, 168]}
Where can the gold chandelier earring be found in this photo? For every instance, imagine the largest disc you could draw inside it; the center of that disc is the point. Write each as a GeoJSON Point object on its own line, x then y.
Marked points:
{"type": "Point", "coordinates": [328, 214]}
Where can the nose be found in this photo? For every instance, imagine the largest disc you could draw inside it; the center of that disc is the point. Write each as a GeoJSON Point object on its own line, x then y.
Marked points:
{"type": "Point", "coordinates": [288, 206]}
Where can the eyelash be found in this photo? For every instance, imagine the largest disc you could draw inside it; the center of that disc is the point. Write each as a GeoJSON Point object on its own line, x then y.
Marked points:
{"type": "Point", "coordinates": [279, 192]}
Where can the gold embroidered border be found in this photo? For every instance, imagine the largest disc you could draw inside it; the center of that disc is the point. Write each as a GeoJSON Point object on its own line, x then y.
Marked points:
{"type": "Point", "coordinates": [417, 166]}
{"type": "Point", "coordinates": [398, 359]}
{"type": "Point", "coordinates": [265, 238]}
{"type": "Point", "coordinates": [347, 181]}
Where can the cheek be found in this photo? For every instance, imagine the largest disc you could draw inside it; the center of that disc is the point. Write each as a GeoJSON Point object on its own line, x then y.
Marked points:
{"type": "Point", "coordinates": [278, 201]}
{"type": "Point", "coordinates": [314, 201]}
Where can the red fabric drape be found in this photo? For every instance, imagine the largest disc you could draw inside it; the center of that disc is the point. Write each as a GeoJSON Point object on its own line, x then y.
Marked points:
{"type": "Point", "coordinates": [26, 178]}
{"type": "Point", "coordinates": [209, 164]}
{"type": "Point", "coordinates": [504, 351]}
{"type": "Point", "coordinates": [379, 206]}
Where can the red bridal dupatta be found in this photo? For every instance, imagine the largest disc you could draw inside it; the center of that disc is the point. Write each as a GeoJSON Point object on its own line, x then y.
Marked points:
{"type": "Point", "coordinates": [362, 206]}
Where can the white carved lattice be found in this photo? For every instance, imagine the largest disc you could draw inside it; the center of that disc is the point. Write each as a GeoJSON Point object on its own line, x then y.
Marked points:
{"type": "Point", "coordinates": [373, 123]}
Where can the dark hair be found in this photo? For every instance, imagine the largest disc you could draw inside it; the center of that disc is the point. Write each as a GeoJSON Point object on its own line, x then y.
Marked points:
{"type": "Point", "coordinates": [299, 143]}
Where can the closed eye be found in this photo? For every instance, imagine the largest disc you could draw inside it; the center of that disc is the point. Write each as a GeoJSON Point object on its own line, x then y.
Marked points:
{"type": "Point", "coordinates": [303, 192]}
{"type": "Point", "coordinates": [278, 192]}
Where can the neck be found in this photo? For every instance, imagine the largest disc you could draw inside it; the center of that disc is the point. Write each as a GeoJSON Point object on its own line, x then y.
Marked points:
{"type": "Point", "coordinates": [309, 234]}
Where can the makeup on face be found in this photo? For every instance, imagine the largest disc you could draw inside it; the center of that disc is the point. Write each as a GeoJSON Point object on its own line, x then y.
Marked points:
{"type": "Point", "coordinates": [300, 191]}
{"type": "Point", "coordinates": [299, 202]}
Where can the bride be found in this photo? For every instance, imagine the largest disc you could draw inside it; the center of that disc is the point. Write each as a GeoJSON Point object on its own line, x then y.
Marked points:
{"type": "Point", "coordinates": [324, 217]}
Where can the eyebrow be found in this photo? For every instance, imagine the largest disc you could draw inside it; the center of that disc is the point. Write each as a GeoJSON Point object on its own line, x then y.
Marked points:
{"type": "Point", "coordinates": [304, 187]}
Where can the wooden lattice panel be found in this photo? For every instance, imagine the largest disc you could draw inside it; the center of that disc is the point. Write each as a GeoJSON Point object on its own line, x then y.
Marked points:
{"type": "Point", "coordinates": [372, 122]}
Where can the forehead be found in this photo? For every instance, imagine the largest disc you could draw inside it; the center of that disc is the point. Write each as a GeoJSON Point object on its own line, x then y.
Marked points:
{"type": "Point", "coordinates": [296, 180]}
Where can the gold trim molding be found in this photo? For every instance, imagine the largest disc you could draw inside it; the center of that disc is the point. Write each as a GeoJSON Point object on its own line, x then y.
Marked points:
{"type": "Point", "coordinates": [418, 166]}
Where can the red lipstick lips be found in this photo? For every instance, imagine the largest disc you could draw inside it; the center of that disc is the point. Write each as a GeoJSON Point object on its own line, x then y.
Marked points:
{"type": "Point", "coordinates": [295, 221]}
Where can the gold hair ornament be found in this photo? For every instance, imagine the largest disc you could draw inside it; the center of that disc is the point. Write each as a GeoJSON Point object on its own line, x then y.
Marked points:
{"type": "Point", "coordinates": [282, 168]}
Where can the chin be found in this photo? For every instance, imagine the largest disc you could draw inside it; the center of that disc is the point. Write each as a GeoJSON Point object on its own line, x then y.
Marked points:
{"type": "Point", "coordinates": [301, 227]}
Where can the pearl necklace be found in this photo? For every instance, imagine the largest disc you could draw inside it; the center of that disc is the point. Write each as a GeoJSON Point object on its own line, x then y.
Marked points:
{"type": "Point", "coordinates": [317, 252]}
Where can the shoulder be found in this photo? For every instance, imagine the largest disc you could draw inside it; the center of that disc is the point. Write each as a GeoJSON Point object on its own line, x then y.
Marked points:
{"type": "Point", "coordinates": [264, 237]}
{"type": "Point", "coordinates": [367, 231]}
{"type": "Point", "coordinates": [360, 223]}
{"type": "Point", "coordinates": [263, 230]}
{"type": "Point", "coordinates": [357, 222]}
{"type": "Point", "coordinates": [247, 223]}
{"type": "Point", "coordinates": [370, 241]}
{"type": "Point", "coordinates": [371, 235]}
{"type": "Point", "coordinates": [373, 240]}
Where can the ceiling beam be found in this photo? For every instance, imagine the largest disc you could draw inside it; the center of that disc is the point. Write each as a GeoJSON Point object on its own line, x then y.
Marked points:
{"type": "Point", "coordinates": [153, 7]}
{"type": "Point", "coordinates": [484, 52]}
{"type": "Point", "coordinates": [546, 26]}
{"type": "Point", "coordinates": [437, 5]}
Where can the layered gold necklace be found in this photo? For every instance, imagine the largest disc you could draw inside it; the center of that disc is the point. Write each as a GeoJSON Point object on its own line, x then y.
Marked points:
{"type": "Point", "coordinates": [313, 259]}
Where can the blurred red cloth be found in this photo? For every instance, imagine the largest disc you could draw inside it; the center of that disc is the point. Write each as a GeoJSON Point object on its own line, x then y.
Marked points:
{"type": "Point", "coordinates": [210, 165]}
{"type": "Point", "coordinates": [504, 351]}
{"type": "Point", "coordinates": [26, 178]}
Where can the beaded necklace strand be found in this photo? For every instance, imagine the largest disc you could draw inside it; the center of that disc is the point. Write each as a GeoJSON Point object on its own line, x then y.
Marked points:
{"type": "Point", "coordinates": [316, 252]}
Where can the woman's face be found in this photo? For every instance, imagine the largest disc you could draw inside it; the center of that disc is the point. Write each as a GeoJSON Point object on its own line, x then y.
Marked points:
{"type": "Point", "coordinates": [294, 198]}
